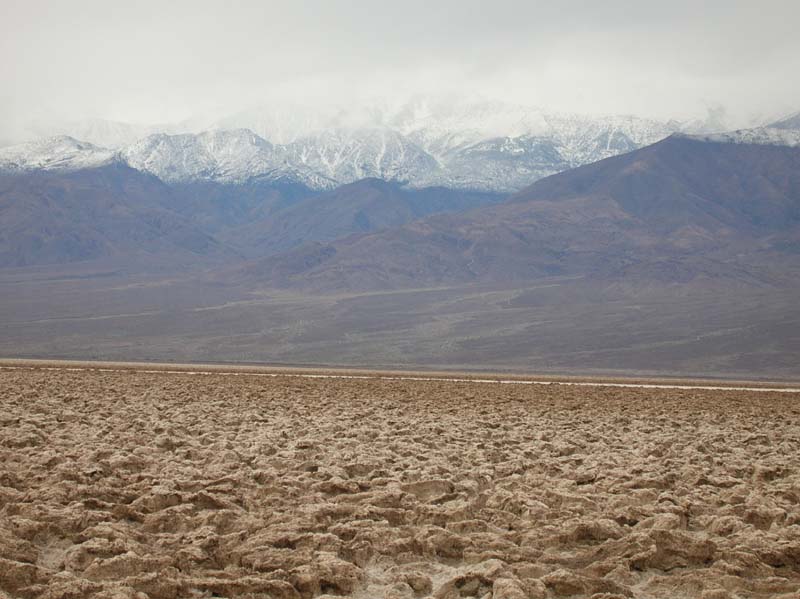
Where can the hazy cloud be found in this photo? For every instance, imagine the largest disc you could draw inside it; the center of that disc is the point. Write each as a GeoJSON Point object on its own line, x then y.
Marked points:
{"type": "Point", "coordinates": [152, 61]}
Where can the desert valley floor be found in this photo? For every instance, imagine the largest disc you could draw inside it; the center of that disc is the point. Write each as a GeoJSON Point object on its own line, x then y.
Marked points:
{"type": "Point", "coordinates": [135, 484]}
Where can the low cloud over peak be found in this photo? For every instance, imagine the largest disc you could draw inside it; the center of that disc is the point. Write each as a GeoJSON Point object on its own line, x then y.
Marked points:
{"type": "Point", "coordinates": [150, 63]}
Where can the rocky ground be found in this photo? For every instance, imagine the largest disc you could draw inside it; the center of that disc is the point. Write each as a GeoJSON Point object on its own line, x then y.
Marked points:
{"type": "Point", "coordinates": [135, 485]}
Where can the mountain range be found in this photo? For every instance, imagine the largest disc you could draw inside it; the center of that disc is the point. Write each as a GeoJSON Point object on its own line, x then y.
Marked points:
{"type": "Point", "coordinates": [111, 211]}
{"type": "Point", "coordinates": [222, 245]}
{"type": "Point", "coordinates": [679, 209]}
{"type": "Point", "coordinates": [481, 146]}
{"type": "Point", "coordinates": [254, 198]}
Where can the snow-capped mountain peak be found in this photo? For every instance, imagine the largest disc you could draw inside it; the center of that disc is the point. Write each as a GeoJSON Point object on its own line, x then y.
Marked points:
{"type": "Point", "coordinates": [763, 136]}
{"type": "Point", "coordinates": [346, 155]}
{"type": "Point", "coordinates": [61, 152]}
{"type": "Point", "coordinates": [230, 156]}
{"type": "Point", "coordinates": [791, 121]}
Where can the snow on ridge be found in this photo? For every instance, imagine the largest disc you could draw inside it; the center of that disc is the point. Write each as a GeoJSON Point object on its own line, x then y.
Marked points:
{"type": "Point", "coordinates": [765, 136]}
{"type": "Point", "coordinates": [790, 121]}
{"type": "Point", "coordinates": [225, 155]}
{"type": "Point", "coordinates": [60, 152]}
{"type": "Point", "coordinates": [467, 144]}
{"type": "Point", "coordinates": [346, 155]}
{"type": "Point", "coordinates": [229, 156]}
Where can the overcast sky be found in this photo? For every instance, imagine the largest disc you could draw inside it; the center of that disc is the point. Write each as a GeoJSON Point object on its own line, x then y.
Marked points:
{"type": "Point", "coordinates": [164, 61]}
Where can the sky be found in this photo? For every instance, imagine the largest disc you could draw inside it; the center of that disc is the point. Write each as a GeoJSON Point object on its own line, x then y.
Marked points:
{"type": "Point", "coordinates": [153, 62]}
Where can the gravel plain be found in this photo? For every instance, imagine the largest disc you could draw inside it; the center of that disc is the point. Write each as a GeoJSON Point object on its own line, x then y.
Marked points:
{"type": "Point", "coordinates": [132, 484]}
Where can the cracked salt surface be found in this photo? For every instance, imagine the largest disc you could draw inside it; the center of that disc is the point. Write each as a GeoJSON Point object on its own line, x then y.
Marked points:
{"type": "Point", "coordinates": [124, 483]}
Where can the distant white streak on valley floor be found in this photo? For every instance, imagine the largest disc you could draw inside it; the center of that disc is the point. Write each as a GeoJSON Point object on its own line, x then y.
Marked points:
{"type": "Point", "coordinates": [411, 378]}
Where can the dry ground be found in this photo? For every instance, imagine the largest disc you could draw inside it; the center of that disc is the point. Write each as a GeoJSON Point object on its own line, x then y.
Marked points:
{"type": "Point", "coordinates": [557, 325]}
{"type": "Point", "coordinates": [132, 484]}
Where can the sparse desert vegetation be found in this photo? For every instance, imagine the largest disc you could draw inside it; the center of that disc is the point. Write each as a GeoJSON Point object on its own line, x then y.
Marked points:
{"type": "Point", "coordinates": [162, 485]}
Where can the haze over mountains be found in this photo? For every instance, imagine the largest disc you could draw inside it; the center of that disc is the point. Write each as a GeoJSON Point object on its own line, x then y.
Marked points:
{"type": "Point", "coordinates": [476, 145]}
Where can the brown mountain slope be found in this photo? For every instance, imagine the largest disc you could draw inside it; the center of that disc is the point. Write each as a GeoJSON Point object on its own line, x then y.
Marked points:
{"type": "Point", "coordinates": [109, 212]}
{"type": "Point", "coordinates": [674, 211]}
{"type": "Point", "coordinates": [364, 206]}
{"type": "Point", "coordinates": [225, 209]}
{"type": "Point", "coordinates": [116, 211]}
